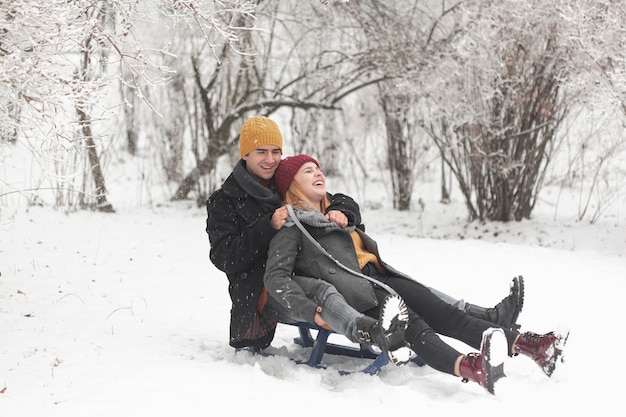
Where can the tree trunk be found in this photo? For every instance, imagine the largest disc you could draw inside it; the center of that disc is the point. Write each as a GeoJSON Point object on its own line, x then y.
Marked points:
{"type": "Point", "coordinates": [400, 149]}
{"type": "Point", "coordinates": [94, 161]}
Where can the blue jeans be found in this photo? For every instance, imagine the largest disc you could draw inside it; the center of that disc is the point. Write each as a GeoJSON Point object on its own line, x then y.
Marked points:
{"type": "Point", "coordinates": [336, 311]}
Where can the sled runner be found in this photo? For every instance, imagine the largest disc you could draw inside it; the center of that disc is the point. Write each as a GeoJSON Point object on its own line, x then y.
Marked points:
{"type": "Point", "coordinates": [321, 345]}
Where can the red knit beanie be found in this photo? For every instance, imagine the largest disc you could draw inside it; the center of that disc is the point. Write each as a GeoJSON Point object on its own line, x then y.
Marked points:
{"type": "Point", "coordinates": [287, 169]}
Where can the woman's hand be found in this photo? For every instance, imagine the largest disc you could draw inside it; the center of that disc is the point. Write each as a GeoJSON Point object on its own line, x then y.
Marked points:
{"type": "Point", "coordinates": [338, 217]}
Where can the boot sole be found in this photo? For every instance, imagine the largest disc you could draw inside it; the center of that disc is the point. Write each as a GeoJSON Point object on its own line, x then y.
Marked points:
{"type": "Point", "coordinates": [518, 288]}
{"type": "Point", "coordinates": [393, 308]}
{"type": "Point", "coordinates": [494, 351]}
{"type": "Point", "coordinates": [557, 354]}
{"type": "Point", "coordinates": [401, 356]}
{"type": "Point", "coordinates": [394, 319]}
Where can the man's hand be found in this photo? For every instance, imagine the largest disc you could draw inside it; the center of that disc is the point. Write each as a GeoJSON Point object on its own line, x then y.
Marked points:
{"type": "Point", "coordinates": [279, 218]}
{"type": "Point", "coordinates": [338, 217]}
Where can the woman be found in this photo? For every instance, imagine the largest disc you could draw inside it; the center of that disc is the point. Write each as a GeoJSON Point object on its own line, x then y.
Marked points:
{"type": "Point", "coordinates": [302, 183]}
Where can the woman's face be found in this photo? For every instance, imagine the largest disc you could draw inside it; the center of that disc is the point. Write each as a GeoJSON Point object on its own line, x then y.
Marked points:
{"type": "Point", "coordinates": [312, 182]}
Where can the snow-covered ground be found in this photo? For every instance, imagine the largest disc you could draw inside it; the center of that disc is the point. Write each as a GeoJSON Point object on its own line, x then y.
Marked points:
{"type": "Point", "coordinates": [124, 315]}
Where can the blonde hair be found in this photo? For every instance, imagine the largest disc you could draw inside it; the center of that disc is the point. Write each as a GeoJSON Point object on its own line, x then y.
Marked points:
{"type": "Point", "coordinates": [295, 197]}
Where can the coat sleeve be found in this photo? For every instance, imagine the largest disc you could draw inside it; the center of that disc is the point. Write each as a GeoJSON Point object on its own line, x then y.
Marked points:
{"type": "Point", "coordinates": [347, 206]}
{"type": "Point", "coordinates": [278, 276]}
{"type": "Point", "coordinates": [236, 244]}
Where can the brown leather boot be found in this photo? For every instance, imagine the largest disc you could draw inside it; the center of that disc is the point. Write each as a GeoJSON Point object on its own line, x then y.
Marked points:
{"type": "Point", "coordinates": [545, 349]}
{"type": "Point", "coordinates": [487, 367]}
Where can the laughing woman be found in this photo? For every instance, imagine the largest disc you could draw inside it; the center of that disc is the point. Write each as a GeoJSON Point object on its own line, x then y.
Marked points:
{"type": "Point", "coordinates": [343, 256]}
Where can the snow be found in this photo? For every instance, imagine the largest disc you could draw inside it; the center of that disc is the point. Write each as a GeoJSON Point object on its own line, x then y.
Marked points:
{"type": "Point", "coordinates": [123, 314]}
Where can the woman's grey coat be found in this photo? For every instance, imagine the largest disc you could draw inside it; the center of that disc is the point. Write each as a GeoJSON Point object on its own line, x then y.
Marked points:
{"type": "Point", "coordinates": [286, 257]}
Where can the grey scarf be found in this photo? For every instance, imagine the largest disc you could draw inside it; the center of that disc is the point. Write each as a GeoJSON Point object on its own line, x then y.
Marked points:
{"type": "Point", "coordinates": [314, 218]}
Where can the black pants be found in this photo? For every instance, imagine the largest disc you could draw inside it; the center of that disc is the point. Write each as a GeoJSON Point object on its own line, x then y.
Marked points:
{"type": "Point", "coordinates": [430, 316]}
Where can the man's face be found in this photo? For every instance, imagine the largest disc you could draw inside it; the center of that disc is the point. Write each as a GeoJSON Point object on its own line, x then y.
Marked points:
{"type": "Point", "coordinates": [262, 162]}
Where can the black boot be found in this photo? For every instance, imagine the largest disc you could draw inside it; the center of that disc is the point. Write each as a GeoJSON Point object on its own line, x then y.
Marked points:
{"type": "Point", "coordinates": [369, 332]}
{"type": "Point", "coordinates": [387, 333]}
{"type": "Point", "coordinates": [394, 319]}
{"type": "Point", "coordinates": [487, 367]}
{"type": "Point", "coordinates": [506, 312]}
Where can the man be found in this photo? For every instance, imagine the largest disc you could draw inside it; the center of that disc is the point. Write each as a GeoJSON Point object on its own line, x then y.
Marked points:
{"type": "Point", "coordinates": [246, 212]}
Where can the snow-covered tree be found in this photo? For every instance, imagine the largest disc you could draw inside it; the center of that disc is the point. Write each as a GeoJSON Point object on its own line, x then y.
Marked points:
{"type": "Point", "coordinates": [495, 101]}
{"type": "Point", "coordinates": [285, 66]}
{"type": "Point", "coordinates": [58, 63]}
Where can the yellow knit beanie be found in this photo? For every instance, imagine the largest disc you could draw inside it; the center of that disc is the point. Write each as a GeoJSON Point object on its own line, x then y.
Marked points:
{"type": "Point", "coordinates": [259, 131]}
